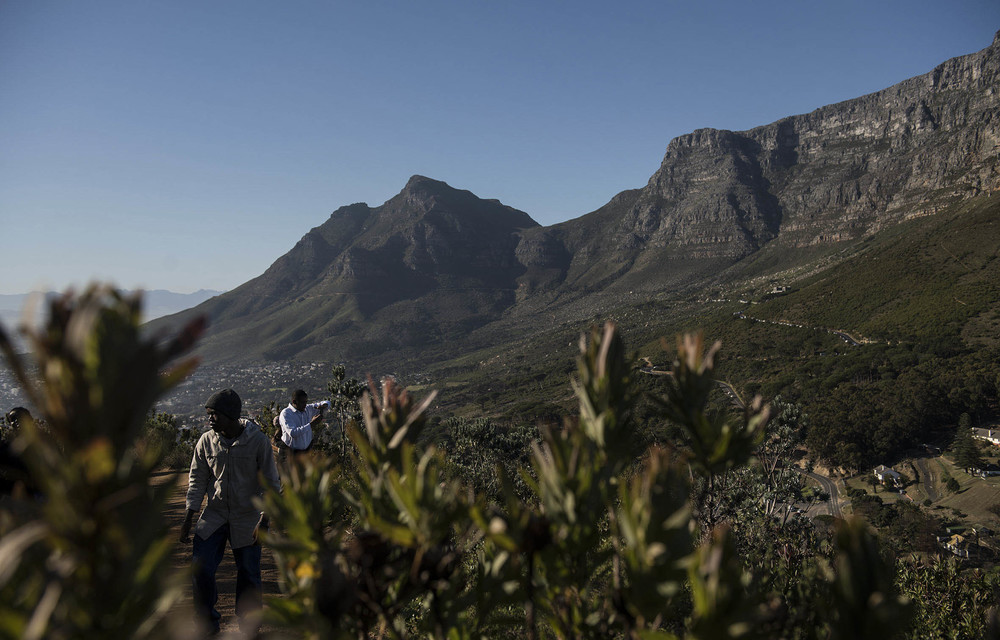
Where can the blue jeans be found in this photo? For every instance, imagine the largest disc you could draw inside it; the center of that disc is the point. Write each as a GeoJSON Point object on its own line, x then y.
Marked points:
{"type": "Point", "coordinates": [207, 556]}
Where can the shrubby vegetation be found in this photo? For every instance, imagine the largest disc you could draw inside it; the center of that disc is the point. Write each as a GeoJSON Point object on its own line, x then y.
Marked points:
{"type": "Point", "coordinates": [608, 540]}
{"type": "Point", "coordinates": [163, 434]}
{"type": "Point", "coordinates": [599, 526]}
{"type": "Point", "coordinates": [87, 556]}
{"type": "Point", "coordinates": [949, 602]}
{"type": "Point", "coordinates": [925, 296]}
{"type": "Point", "coordinates": [867, 404]}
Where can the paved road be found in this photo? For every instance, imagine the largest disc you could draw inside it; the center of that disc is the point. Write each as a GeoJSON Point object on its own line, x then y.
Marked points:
{"type": "Point", "coordinates": [830, 486]}
{"type": "Point", "coordinates": [726, 387]}
{"type": "Point", "coordinates": [926, 478]}
{"type": "Point", "coordinates": [843, 335]}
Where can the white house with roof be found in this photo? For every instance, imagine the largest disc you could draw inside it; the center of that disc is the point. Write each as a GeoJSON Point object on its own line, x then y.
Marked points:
{"type": "Point", "coordinates": [886, 475]}
{"type": "Point", "coordinates": [989, 435]}
{"type": "Point", "coordinates": [957, 544]}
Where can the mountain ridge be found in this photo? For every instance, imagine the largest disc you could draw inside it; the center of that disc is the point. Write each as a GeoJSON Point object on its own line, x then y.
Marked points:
{"type": "Point", "coordinates": [156, 302]}
{"type": "Point", "coordinates": [836, 173]}
{"type": "Point", "coordinates": [413, 277]}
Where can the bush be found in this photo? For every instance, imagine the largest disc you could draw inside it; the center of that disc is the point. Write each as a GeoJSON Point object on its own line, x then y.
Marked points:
{"type": "Point", "coordinates": [90, 557]}
{"type": "Point", "coordinates": [174, 445]}
{"type": "Point", "coordinates": [601, 547]}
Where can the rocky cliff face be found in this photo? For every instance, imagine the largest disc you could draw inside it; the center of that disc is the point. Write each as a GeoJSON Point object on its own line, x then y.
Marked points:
{"type": "Point", "coordinates": [854, 167]}
{"type": "Point", "coordinates": [835, 174]}
{"type": "Point", "coordinates": [428, 236]}
{"type": "Point", "coordinates": [434, 263]}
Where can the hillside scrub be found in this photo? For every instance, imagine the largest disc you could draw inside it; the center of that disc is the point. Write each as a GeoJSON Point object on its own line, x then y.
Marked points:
{"type": "Point", "coordinates": [599, 537]}
{"type": "Point", "coordinates": [921, 297]}
{"type": "Point", "coordinates": [868, 404]}
{"type": "Point", "coordinates": [609, 541]}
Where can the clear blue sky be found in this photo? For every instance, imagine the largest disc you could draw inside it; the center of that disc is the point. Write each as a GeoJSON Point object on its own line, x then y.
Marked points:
{"type": "Point", "coordinates": [179, 145]}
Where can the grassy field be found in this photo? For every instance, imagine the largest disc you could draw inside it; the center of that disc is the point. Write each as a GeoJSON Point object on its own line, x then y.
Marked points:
{"type": "Point", "coordinates": [972, 501]}
{"type": "Point", "coordinates": [969, 506]}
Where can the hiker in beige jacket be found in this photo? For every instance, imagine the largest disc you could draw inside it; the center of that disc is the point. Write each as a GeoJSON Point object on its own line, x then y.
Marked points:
{"type": "Point", "coordinates": [225, 468]}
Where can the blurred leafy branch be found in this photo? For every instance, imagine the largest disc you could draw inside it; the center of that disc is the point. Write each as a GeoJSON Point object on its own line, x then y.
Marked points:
{"type": "Point", "coordinates": [87, 554]}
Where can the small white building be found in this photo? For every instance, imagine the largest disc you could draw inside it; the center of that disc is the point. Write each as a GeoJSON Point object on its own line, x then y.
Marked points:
{"type": "Point", "coordinates": [957, 544]}
{"type": "Point", "coordinates": [886, 475]}
{"type": "Point", "coordinates": [989, 435]}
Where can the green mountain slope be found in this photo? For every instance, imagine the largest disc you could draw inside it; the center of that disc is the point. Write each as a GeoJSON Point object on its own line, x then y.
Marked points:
{"type": "Point", "coordinates": [929, 279]}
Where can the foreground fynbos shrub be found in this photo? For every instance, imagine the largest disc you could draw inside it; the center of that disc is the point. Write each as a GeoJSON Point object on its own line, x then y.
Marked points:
{"type": "Point", "coordinates": [401, 554]}
{"type": "Point", "coordinates": [86, 555]}
{"type": "Point", "coordinates": [605, 544]}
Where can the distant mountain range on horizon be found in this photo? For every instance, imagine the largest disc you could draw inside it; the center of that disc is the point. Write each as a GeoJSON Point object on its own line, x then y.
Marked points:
{"type": "Point", "coordinates": [156, 303]}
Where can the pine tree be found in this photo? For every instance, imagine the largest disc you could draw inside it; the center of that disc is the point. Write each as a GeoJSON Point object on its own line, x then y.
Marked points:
{"type": "Point", "coordinates": [964, 446]}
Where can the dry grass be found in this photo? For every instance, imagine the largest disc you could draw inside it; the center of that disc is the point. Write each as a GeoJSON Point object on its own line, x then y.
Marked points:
{"type": "Point", "coordinates": [970, 504]}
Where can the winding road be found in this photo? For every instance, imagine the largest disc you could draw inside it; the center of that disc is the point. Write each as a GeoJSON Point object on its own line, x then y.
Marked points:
{"type": "Point", "coordinates": [926, 479]}
{"type": "Point", "coordinates": [829, 486]}
{"type": "Point", "coordinates": [843, 335]}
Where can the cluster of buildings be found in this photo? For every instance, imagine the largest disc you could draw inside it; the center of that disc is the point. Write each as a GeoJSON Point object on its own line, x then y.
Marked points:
{"type": "Point", "coordinates": [258, 385]}
{"type": "Point", "coordinates": [11, 394]}
{"type": "Point", "coordinates": [961, 542]}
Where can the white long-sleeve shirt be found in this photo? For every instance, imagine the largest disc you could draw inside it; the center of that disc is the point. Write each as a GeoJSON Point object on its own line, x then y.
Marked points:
{"type": "Point", "coordinates": [296, 430]}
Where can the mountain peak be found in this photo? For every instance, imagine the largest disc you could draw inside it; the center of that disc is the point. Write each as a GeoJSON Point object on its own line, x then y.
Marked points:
{"type": "Point", "coordinates": [423, 190]}
{"type": "Point", "coordinates": [423, 182]}
{"type": "Point", "coordinates": [422, 196]}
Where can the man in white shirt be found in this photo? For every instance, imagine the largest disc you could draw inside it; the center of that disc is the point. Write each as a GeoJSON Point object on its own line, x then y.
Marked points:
{"type": "Point", "coordinates": [298, 419]}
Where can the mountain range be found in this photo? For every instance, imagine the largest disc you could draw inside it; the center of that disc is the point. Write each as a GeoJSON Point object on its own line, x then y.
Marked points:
{"type": "Point", "coordinates": [439, 275]}
{"type": "Point", "coordinates": [156, 303]}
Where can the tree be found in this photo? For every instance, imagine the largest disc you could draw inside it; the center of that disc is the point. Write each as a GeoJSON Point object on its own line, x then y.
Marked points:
{"type": "Point", "coordinates": [967, 455]}
{"type": "Point", "coordinates": [949, 602]}
{"type": "Point", "coordinates": [781, 483]}
{"type": "Point", "coordinates": [345, 397]}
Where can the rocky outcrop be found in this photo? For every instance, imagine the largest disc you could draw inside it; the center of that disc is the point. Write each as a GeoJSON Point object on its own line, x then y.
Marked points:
{"type": "Point", "coordinates": [835, 174]}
